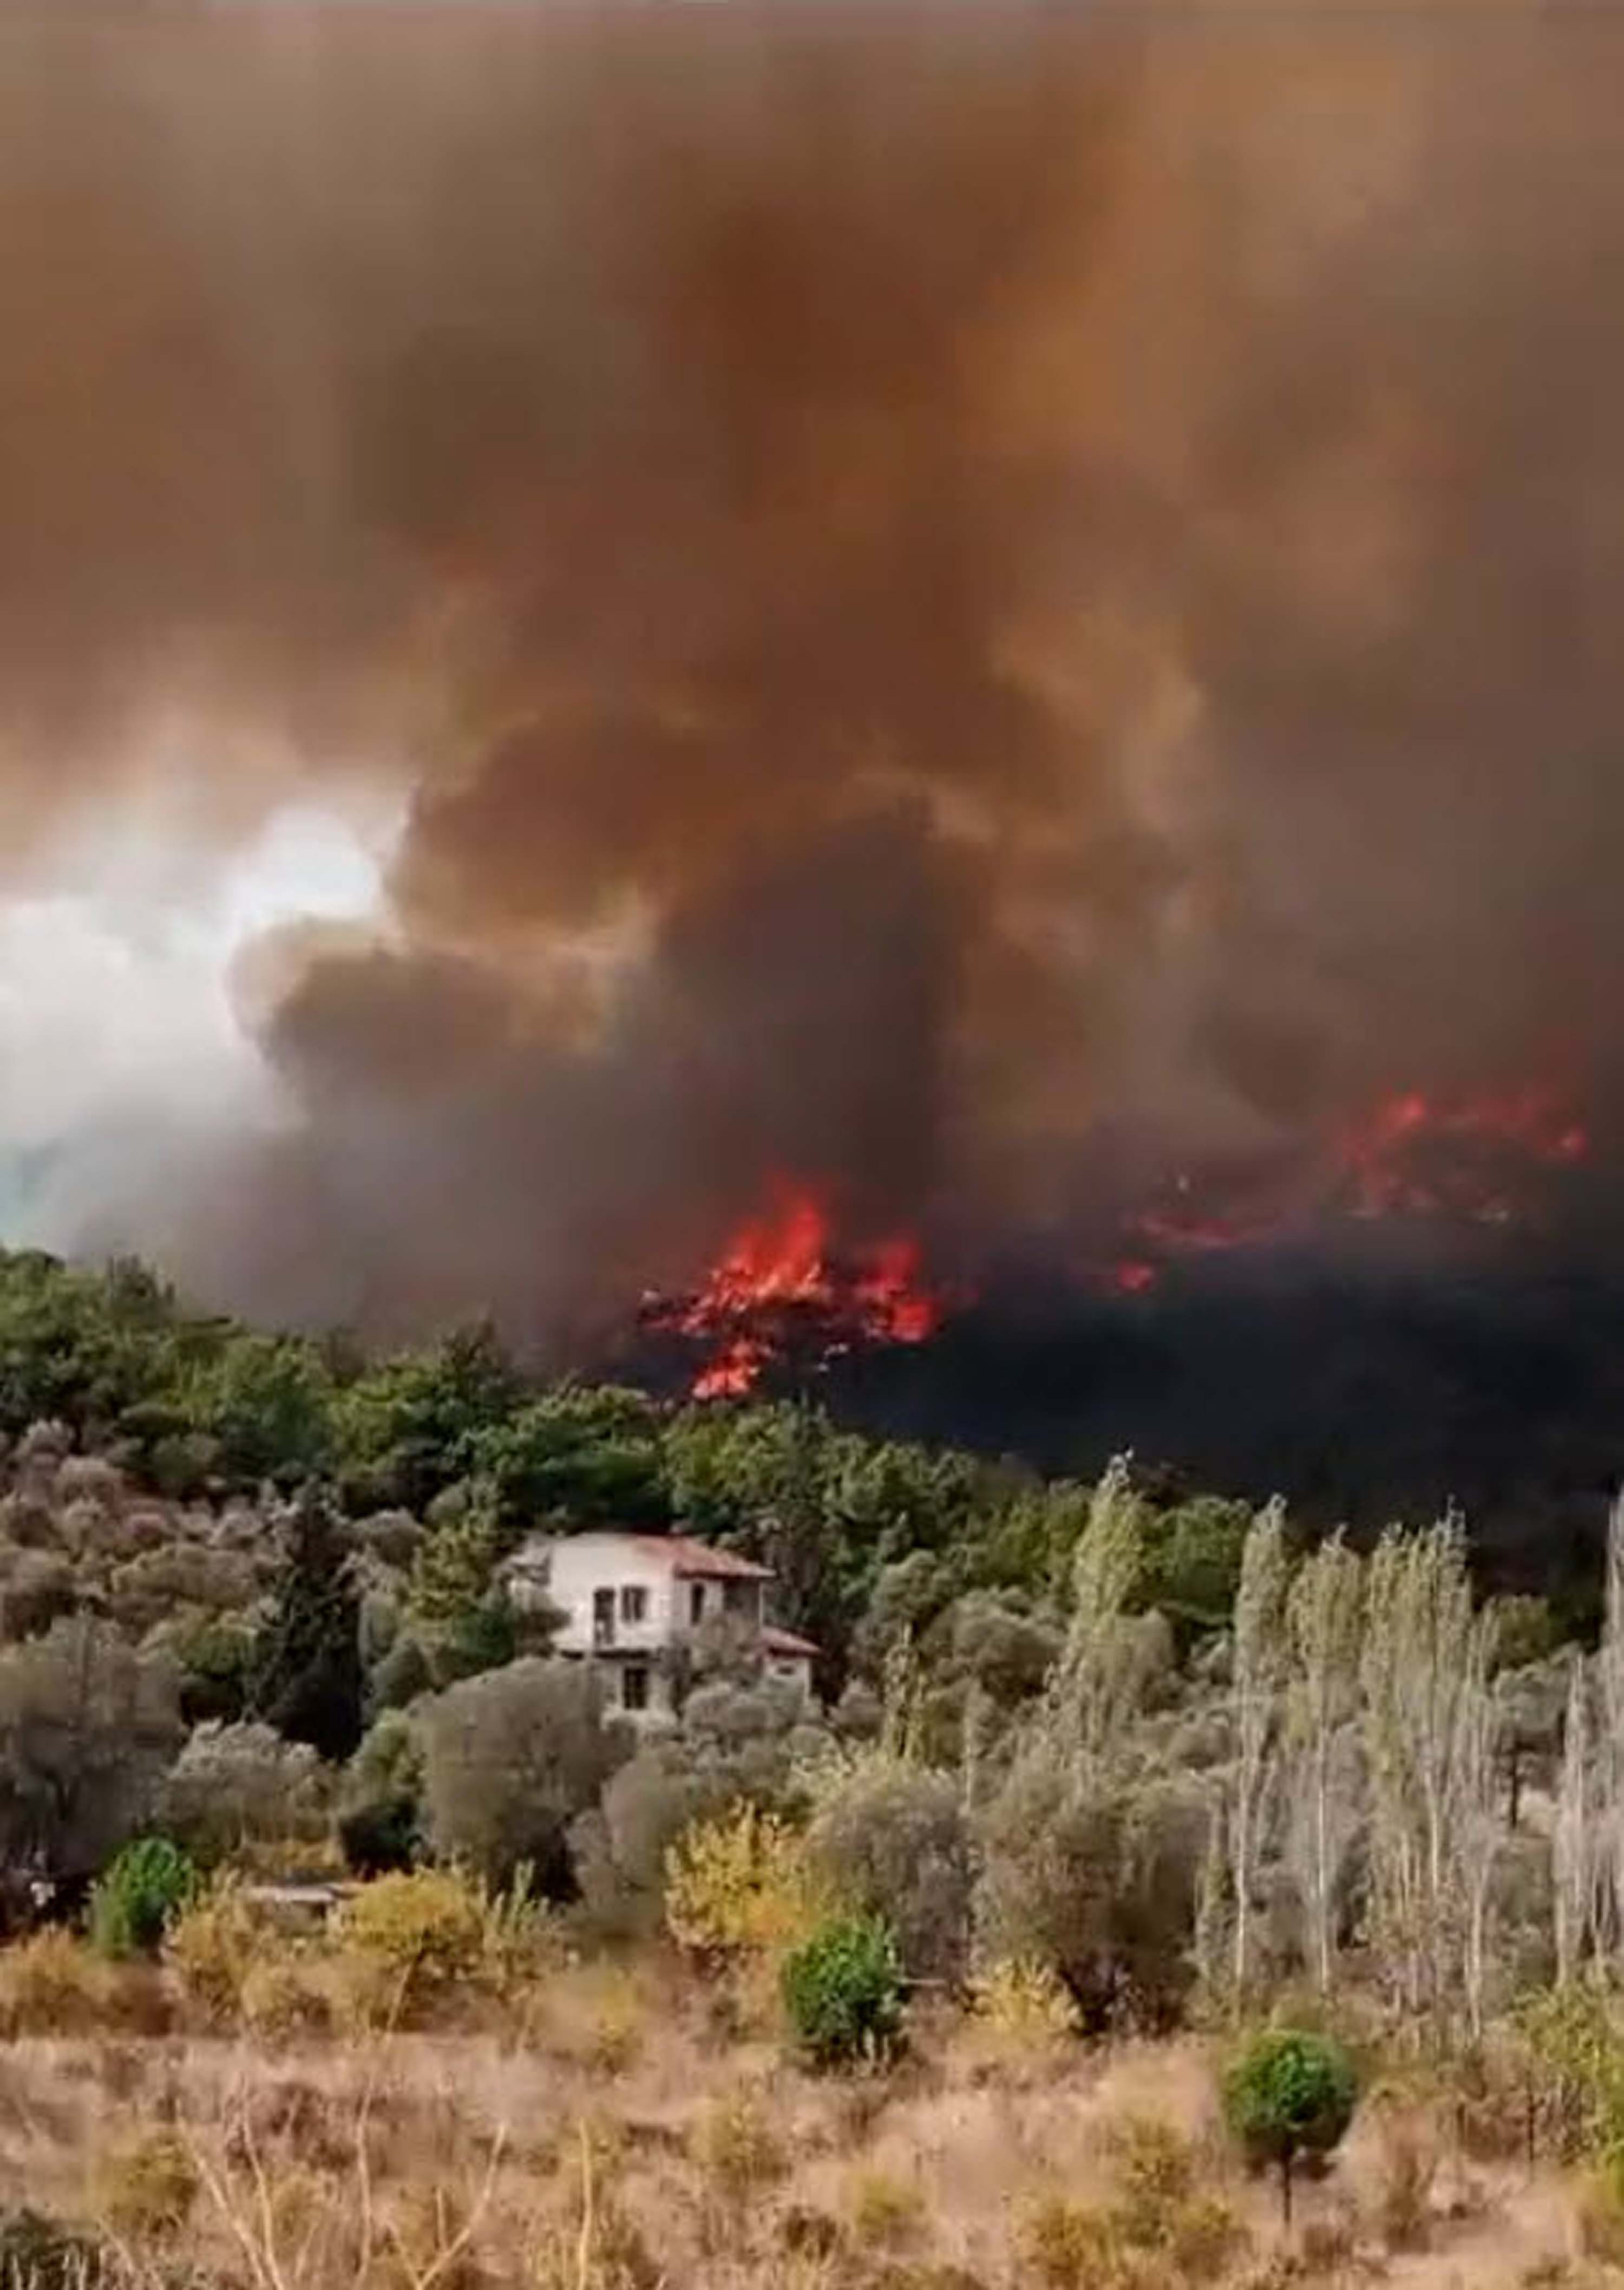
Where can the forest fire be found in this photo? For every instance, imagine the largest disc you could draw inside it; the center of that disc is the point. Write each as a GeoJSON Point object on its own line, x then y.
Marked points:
{"type": "Point", "coordinates": [788, 1290]}
{"type": "Point", "coordinates": [1469, 1157]}
{"type": "Point", "coordinates": [783, 1287]}
{"type": "Point", "coordinates": [1420, 1155]}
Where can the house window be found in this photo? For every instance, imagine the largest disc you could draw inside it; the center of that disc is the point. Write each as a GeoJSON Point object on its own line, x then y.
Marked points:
{"type": "Point", "coordinates": [634, 1603]}
{"type": "Point", "coordinates": [635, 1686]}
{"type": "Point", "coordinates": [696, 1602]}
{"type": "Point", "coordinates": [603, 1618]}
{"type": "Point", "coordinates": [739, 1597]}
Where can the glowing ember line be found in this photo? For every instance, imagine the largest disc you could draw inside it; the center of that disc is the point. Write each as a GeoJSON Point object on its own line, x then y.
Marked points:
{"type": "Point", "coordinates": [1470, 1156]}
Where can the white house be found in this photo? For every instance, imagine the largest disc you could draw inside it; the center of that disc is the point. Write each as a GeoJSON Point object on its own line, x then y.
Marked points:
{"type": "Point", "coordinates": [634, 1602]}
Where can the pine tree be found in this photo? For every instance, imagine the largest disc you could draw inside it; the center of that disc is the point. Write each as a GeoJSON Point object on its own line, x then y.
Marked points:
{"type": "Point", "coordinates": [307, 1678]}
{"type": "Point", "coordinates": [795, 1533]}
{"type": "Point", "coordinates": [461, 1615]}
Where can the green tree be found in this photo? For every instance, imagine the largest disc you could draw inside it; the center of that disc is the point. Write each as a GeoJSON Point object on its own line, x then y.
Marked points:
{"type": "Point", "coordinates": [306, 1677]}
{"type": "Point", "coordinates": [406, 1429]}
{"type": "Point", "coordinates": [457, 1609]}
{"type": "Point", "coordinates": [1288, 2093]}
{"type": "Point", "coordinates": [585, 1454]}
{"type": "Point", "coordinates": [266, 1403]}
{"type": "Point", "coordinates": [72, 1347]}
{"type": "Point", "coordinates": [757, 1479]}
{"type": "Point", "coordinates": [1193, 1560]}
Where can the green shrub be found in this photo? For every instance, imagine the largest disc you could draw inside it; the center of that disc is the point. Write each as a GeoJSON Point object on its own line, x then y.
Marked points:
{"type": "Point", "coordinates": [843, 1991]}
{"type": "Point", "coordinates": [141, 1890]}
{"type": "Point", "coordinates": [1288, 2093]}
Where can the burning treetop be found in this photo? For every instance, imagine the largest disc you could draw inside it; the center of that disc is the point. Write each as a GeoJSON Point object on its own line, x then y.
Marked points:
{"type": "Point", "coordinates": [784, 1287]}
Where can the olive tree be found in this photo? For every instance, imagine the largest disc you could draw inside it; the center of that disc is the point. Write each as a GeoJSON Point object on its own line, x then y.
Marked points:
{"type": "Point", "coordinates": [87, 1727]}
{"type": "Point", "coordinates": [892, 1840]}
{"type": "Point", "coordinates": [510, 1758]}
{"type": "Point", "coordinates": [233, 1785]}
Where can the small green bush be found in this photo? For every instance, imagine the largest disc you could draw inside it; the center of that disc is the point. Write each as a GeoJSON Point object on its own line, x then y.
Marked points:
{"type": "Point", "coordinates": [1288, 2093]}
{"type": "Point", "coordinates": [843, 1989]}
{"type": "Point", "coordinates": [139, 1894]}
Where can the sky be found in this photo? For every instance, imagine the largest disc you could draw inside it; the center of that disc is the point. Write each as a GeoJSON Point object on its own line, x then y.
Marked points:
{"type": "Point", "coordinates": [117, 984]}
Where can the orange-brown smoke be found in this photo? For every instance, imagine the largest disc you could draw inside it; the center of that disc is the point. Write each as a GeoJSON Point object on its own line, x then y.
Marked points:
{"type": "Point", "coordinates": [954, 596]}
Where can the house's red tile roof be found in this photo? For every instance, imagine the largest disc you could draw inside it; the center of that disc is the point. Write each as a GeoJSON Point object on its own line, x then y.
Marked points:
{"type": "Point", "coordinates": [778, 1641]}
{"type": "Point", "coordinates": [689, 1558]}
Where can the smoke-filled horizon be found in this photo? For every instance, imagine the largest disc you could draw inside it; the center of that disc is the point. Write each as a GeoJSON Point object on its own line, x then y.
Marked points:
{"type": "Point", "coordinates": [968, 607]}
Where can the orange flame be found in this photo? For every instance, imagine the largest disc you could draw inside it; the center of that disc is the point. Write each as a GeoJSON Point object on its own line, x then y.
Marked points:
{"type": "Point", "coordinates": [781, 1280]}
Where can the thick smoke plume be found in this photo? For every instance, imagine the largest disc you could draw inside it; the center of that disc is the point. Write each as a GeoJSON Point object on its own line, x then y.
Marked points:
{"type": "Point", "coordinates": [959, 603]}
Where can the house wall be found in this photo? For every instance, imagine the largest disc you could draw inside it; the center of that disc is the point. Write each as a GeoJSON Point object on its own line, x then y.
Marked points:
{"type": "Point", "coordinates": [566, 1570]}
{"type": "Point", "coordinates": [660, 1707]}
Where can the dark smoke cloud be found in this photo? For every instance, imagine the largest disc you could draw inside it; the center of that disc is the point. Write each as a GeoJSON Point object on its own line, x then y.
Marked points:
{"type": "Point", "coordinates": [950, 595]}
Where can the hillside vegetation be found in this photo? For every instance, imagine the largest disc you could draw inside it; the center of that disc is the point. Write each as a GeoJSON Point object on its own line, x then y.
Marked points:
{"type": "Point", "coordinates": [1144, 1871]}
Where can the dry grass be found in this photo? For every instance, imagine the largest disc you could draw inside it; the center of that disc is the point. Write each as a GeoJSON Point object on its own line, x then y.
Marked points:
{"type": "Point", "coordinates": [233, 2123]}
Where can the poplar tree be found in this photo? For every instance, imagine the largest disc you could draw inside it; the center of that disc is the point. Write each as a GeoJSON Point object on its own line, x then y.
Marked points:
{"type": "Point", "coordinates": [1259, 1672]}
{"type": "Point", "coordinates": [1096, 1682]}
{"type": "Point", "coordinates": [1573, 1858]}
{"type": "Point", "coordinates": [1324, 1615]}
{"type": "Point", "coordinates": [1479, 1833]}
{"type": "Point", "coordinates": [1609, 1749]}
{"type": "Point", "coordinates": [1424, 1672]}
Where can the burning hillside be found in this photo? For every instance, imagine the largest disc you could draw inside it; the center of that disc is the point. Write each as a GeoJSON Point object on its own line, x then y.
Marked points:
{"type": "Point", "coordinates": [791, 1292]}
